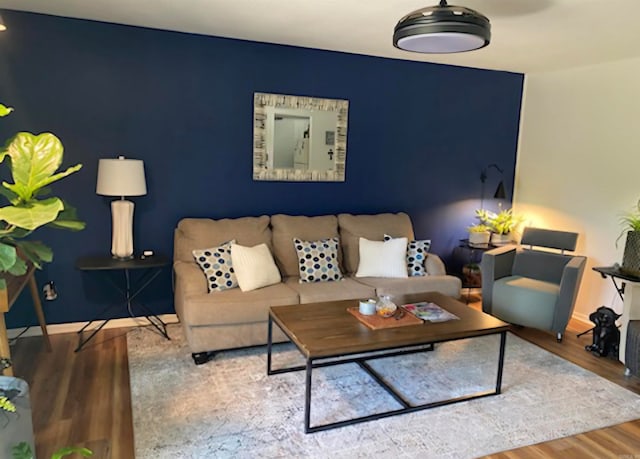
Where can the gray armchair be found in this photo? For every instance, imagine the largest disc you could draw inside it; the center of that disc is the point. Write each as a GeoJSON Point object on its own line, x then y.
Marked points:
{"type": "Point", "coordinates": [530, 287]}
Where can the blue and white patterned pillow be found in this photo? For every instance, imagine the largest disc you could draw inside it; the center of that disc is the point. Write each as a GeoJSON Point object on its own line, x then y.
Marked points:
{"type": "Point", "coordinates": [416, 255]}
{"type": "Point", "coordinates": [217, 267]}
{"type": "Point", "coordinates": [318, 260]}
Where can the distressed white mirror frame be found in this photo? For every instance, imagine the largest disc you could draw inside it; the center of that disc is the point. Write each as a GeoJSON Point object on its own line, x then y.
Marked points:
{"type": "Point", "coordinates": [263, 108]}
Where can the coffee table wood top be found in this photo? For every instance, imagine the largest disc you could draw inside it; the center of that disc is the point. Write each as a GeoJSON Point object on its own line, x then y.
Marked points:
{"type": "Point", "coordinates": [322, 330]}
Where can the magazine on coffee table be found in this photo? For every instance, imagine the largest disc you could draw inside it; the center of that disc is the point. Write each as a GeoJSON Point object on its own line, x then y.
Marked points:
{"type": "Point", "coordinates": [430, 312]}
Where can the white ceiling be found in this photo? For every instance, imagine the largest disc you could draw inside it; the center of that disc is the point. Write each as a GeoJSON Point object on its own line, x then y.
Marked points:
{"type": "Point", "coordinates": [527, 35]}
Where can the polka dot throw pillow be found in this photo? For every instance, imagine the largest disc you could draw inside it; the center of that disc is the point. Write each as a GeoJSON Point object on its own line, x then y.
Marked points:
{"type": "Point", "coordinates": [416, 255]}
{"type": "Point", "coordinates": [318, 260]}
{"type": "Point", "coordinates": [217, 267]}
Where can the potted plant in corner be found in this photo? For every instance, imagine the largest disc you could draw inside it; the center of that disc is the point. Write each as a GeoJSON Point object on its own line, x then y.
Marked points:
{"type": "Point", "coordinates": [33, 162]}
{"type": "Point", "coordinates": [631, 256]}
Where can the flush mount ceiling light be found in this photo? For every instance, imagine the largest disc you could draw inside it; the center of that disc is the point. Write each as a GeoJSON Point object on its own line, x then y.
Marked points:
{"type": "Point", "coordinates": [442, 29]}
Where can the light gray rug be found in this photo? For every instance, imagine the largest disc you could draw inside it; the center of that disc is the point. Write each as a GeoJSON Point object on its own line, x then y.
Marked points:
{"type": "Point", "coordinates": [230, 408]}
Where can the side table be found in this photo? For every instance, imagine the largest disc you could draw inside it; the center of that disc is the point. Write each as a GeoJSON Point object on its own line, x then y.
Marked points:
{"type": "Point", "coordinates": [151, 267]}
{"type": "Point", "coordinates": [629, 292]}
{"type": "Point", "coordinates": [470, 280]}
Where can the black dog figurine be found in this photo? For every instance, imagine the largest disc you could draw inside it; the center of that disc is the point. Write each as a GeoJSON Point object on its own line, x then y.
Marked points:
{"type": "Point", "coordinates": [606, 336]}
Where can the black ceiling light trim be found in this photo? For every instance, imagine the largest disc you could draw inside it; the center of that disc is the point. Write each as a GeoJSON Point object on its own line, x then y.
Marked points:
{"type": "Point", "coordinates": [442, 29]}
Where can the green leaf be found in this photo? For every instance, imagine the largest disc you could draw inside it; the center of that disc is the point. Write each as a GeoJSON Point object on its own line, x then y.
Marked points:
{"type": "Point", "coordinates": [36, 252]}
{"type": "Point", "coordinates": [34, 161]}
{"type": "Point", "coordinates": [8, 256]}
{"type": "Point", "coordinates": [33, 215]}
{"type": "Point", "coordinates": [4, 110]}
{"type": "Point", "coordinates": [10, 195]}
{"type": "Point", "coordinates": [22, 451]}
{"type": "Point", "coordinates": [18, 268]}
{"type": "Point", "coordinates": [68, 219]}
{"type": "Point", "coordinates": [84, 452]}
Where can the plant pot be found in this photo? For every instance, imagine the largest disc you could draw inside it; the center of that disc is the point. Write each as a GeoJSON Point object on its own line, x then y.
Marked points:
{"type": "Point", "coordinates": [479, 238]}
{"type": "Point", "coordinates": [15, 426]}
{"type": "Point", "coordinates": [500, 239]}
{"type": "Point", "coordinates": [631, 257]}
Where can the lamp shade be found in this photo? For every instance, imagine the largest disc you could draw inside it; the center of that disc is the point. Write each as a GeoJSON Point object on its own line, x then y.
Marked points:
{"type": "Point", "coordinates": [500, 191]}
{"type": "Point", "coordinates": [121, 177]}
{"type": "Point", "coordinates": [442, 29]}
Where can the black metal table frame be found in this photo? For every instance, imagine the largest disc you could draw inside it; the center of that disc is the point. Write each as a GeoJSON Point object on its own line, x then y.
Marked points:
{"type": "Point", "coordinates": [361, 360]}
{"type": "Point", "coordinates": [129, 296]}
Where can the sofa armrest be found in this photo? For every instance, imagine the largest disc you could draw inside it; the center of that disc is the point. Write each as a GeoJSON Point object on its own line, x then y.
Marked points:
{"type": "Point", "coordinates": [434, 266]}
{"type": "Point", "coordinates": [571, 276]}
{"type": "Point", "coordinates": [495, 264]}
{"type": "Point", "coordinates": [189, 279]}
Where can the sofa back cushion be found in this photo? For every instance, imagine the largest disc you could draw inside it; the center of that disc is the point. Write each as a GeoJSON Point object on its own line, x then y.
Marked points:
{"type": "Point", "coordinates": [372, 227]}
{"type": "Point", "coordinates": [201, 233]}
{"type": "Point", "coordinates": [287, 227]}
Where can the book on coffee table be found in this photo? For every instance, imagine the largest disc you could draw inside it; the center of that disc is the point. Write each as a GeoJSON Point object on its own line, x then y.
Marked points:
{"type": "Point", "coordinates": [429, 312]}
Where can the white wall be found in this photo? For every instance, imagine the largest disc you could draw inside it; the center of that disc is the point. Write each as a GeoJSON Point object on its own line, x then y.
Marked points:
{"type": "Point", "coordinates": [578, 165]}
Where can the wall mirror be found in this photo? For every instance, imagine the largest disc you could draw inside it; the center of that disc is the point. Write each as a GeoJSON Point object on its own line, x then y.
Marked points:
{"type": "Point", "coordinates": [297, 138]}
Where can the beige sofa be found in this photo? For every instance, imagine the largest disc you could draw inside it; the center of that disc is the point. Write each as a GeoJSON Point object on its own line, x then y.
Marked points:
{"type": "Point", "coordinates": [232, 318]}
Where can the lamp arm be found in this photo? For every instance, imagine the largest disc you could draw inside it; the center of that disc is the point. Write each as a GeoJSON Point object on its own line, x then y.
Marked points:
{"type": "Point", "coordinates": [483, 174]}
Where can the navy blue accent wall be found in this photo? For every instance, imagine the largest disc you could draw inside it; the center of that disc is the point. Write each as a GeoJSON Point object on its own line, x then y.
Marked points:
{"type": "Point", "coordinates": [419, 134]}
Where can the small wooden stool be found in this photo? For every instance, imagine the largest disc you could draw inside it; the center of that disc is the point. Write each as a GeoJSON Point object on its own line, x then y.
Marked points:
{"type": "Point", "coordinates": [7, 298]}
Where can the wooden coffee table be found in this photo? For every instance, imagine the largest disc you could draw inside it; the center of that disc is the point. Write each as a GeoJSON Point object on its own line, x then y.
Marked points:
{"type": "Point", "coordinates": [327, 334]}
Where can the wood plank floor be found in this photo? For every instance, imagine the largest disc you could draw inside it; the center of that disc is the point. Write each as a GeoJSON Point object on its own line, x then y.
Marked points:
{"type": "Point", "coordinates": [84, 398]}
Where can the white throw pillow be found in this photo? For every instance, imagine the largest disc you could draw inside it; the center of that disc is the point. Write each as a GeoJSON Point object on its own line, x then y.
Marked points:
{"type": "Point", "coordinates": [416, 255]}
{"type": "Point", "coordinates": [382, 258]}
{"type": "Point", "coordinates": [254, 267]}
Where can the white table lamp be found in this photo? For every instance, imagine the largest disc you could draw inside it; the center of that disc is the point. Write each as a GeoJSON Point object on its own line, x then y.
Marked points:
{"type": "Point", "coordinates": [121, 177]}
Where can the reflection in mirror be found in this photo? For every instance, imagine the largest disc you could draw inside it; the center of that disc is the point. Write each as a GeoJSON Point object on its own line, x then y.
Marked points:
{"type": "Point", "coordinates": [299, 138]}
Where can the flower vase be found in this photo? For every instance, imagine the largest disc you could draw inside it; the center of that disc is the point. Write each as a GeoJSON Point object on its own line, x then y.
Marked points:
{"type": "Point", "coordinates": [15, 415]}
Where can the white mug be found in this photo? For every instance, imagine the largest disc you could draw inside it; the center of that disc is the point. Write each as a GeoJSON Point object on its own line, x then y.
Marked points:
{"type": "Point", "coordinates": [367, 307]}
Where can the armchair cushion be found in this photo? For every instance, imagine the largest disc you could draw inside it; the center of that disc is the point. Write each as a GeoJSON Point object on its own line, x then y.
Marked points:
{"type": "Point", "coordinates": [525, 301]}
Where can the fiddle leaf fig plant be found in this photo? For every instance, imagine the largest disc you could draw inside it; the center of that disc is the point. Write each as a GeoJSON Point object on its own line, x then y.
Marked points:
{"type": "Point", "coordinates": [33, 162]}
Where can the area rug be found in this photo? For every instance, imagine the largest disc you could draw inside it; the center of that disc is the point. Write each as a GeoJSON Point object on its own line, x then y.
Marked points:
{"type": "Point", "coordinates": [230, 408]}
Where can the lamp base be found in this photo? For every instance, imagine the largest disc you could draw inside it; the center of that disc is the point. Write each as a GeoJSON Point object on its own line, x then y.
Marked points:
{"type": "Point", "coordinates": [122, 231]}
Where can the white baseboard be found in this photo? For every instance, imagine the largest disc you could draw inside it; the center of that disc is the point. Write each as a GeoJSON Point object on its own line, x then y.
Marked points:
{"type": "Point", "coordinates": [73, 327]}
{"type": "Point", "coordinates": [583, 318]}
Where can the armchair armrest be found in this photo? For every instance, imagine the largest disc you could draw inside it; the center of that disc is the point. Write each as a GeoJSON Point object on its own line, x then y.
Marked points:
{"type": "Point", "coordinates": [571, 276]}
{"type": "Point", "coordinates": [496, 263]}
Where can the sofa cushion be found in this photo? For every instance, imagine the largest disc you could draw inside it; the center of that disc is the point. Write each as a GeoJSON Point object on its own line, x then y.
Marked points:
{"type": "Point", "coordinates": [372, 227]}
{"type": "Point", "coordinates": [287, 227]}
{"type": "Point", "coordinates": [383, 258]}
{"type": "Point", "coordinates": [217, 267]}
{"type": "Point", "coordinates": [235, 306]}
{"type": "Point", "coordinates": [447, 285]}
{"type": "Point", "coordinates": [416, 256]}
{"type": "Point", "coordinates": [318, 260]}
{"type": "Point", "coordinates": [254, 266]}
{"type": "Point", "coordinates": [197, 233]}
{"type": "Point", "coordinates": [329, 291]}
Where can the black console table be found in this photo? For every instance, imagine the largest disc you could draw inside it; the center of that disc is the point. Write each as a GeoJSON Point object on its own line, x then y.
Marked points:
{"type": "Point", "coordinates": [150, 268]}
{"type": "Point", "coordinates": [629, 292]}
